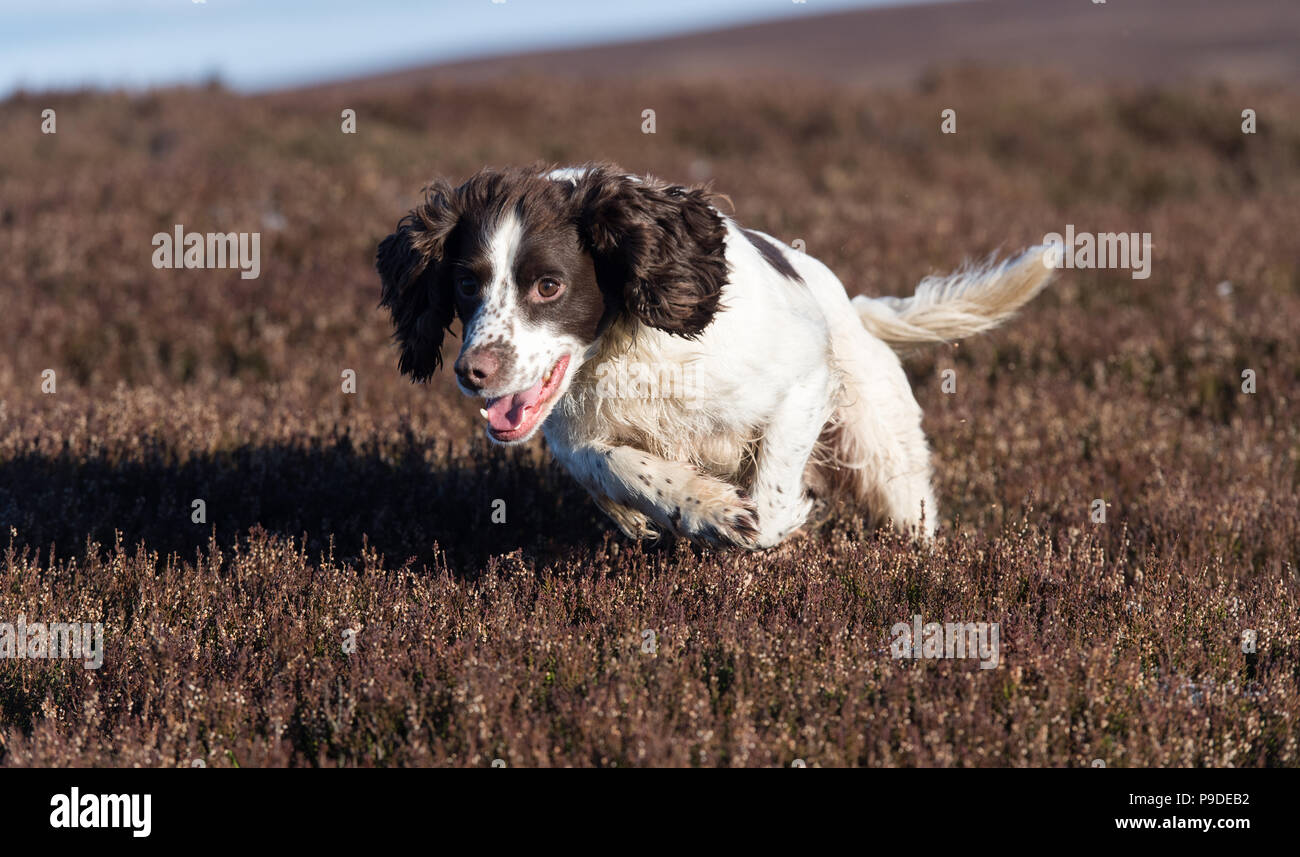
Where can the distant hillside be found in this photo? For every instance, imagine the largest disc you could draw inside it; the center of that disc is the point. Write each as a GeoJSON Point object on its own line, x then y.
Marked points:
{"type": "Point", "coordinates": [1248, 41]}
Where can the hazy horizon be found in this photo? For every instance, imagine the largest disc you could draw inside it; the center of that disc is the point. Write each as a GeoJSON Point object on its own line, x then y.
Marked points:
{"type": "Point", "coordinates": [250, 47]}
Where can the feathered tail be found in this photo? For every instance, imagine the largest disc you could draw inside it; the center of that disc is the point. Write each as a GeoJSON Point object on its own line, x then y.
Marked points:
{"type": "Point", "coordinates": [968, 302]}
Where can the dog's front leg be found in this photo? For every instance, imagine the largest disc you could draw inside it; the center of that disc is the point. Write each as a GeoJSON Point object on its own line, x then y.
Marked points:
{"type": "Point", "coordinates": [787, 443]}
{"type": "Point", "coordinates": [636, 488]}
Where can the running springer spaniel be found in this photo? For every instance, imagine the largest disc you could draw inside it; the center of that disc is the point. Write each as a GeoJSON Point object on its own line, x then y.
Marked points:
{"type": "Point", "coordinates": [779, 387]}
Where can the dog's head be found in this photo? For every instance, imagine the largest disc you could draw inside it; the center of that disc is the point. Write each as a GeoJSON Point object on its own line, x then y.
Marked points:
{"type": "Point", "coordinates": [537, 266]}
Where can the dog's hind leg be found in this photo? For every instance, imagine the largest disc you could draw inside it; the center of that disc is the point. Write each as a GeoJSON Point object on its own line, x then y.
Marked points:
{"type": "Point", "coordinates": [875, 450]}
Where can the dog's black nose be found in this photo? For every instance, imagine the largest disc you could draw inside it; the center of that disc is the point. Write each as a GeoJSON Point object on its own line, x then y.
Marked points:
{"type": "Point", "coordinates": [477, 367]}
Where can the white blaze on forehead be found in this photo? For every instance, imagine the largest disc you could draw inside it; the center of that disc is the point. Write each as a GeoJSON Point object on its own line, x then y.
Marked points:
{"type": "Point", "coordinates": [502, 249]}
{"type": "Point", "coordinates": [533, 348]}
{"type": "Point", "coordinates": [495, 317]}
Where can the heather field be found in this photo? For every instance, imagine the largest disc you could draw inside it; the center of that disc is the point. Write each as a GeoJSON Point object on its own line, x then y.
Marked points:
{"type": "Point", "coordinates": [349, 598]}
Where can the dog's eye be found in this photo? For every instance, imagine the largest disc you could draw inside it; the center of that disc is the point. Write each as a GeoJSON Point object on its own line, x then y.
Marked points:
{"type": "Point", "coordinates": [548, 287]}
{"type": "Point", "coordinates": [467, 285]}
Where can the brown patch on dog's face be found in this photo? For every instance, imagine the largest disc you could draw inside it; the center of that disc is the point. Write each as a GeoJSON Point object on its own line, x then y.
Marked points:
{"type": "Point", "coordinates": [557, 255]}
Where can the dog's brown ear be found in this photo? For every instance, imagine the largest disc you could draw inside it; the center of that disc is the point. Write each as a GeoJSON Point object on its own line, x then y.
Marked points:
{"type": "Point", "coordinates": [661, 246]}
{"type": "Point", "coordinates": [418, 298]}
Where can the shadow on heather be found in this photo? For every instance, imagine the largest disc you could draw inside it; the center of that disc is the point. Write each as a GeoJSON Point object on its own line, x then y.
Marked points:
{"type": "Point", "coordinates": [393, 500]}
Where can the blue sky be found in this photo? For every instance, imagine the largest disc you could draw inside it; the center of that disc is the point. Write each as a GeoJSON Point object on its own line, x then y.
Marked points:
{"type": "Point", "coordinates": [262, 44]}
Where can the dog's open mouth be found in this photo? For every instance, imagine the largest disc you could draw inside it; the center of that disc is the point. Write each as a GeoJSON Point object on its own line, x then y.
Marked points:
{"type": "Point", "coordinates": [514, 417]}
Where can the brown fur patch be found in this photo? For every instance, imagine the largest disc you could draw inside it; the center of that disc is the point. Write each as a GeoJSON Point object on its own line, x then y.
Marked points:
{"type": "Point", "coordinates": [663, 243]}
{"type": "Point", "coordinates": [773, 255]}
{"type": "Point", "coordinates": [421, 307]}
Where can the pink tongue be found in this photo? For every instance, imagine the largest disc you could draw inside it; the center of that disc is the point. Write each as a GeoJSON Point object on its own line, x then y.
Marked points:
{"type": "Point", "coordinates": [507, 412]}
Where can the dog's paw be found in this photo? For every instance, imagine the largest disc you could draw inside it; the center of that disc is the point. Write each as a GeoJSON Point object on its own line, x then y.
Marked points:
{"type": "Point", "coordinates": [780, 521]}
{"type": "Point", "coordinates": [717, 514]}
{"type": "Point", "coordinates": [633, 524]}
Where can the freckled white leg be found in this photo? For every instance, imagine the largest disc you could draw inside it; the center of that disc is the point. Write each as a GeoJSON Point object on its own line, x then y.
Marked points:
{"type": "Point", "coordinates": [788, 441]}
{"type": "Point", "coordinates": [879, 438]}
{"type": "Point", "coordinates": [639, 490]}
